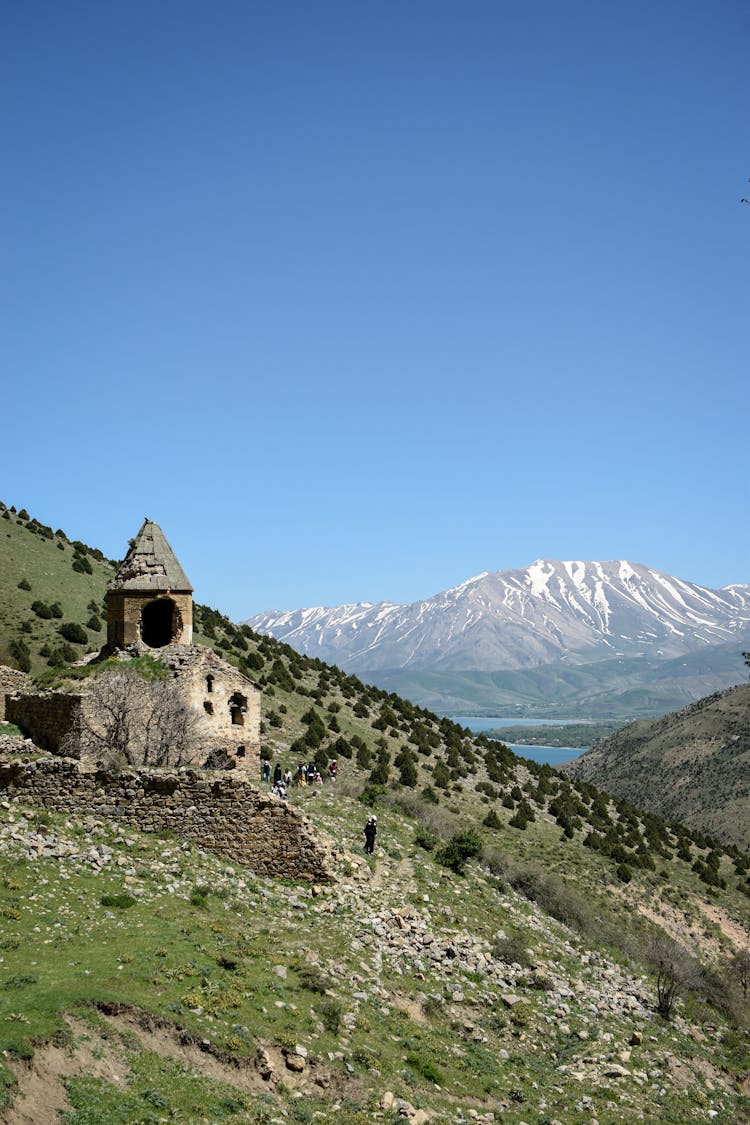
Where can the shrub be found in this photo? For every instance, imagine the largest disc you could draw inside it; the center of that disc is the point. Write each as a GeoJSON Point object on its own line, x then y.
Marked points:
{"type": "Point", "coordinates": [41, 609]}
{"type": "Point", "coordinates": [24, 584]}
{"type": "Point", "coordinates": [461, 847]}
{"type": "Point", "coordinates": [20, 652]}
{"type": "Point", "coordinates": [330, 1013]}
{"type": "Point", "coordinates": [423, 838]}
{"type": "Point", "coordinates": [440, 775]}
{"type": "Point", "coordinates": [118, 901]}
{"type": "Point", "coordinates": [364, 757]}
{"type": "Point", "coordinates": [424, 1067]}
{"type": "Point", "coordinates": [94, 624]}
{"type": "Point", "coordinates": [511, 949]}
{"type": "Point", "coordinates": [74, 633]}
{"type": "Point", "coordinates": [675, 969]}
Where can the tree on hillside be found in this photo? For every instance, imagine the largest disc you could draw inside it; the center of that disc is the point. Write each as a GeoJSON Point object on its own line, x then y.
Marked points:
{"type": "Point", "coordinates": [129, 721]}
{"type": "Point", "coordinates": [675, 970]}
{"type": "Point", "coordinates": [746, 656]}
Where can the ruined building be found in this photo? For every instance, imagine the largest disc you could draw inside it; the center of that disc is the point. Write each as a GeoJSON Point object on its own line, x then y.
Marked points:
{"type": "Point", "coordinates": [149, 600]}
{"type": "Point", "coordinates": [150, 610]}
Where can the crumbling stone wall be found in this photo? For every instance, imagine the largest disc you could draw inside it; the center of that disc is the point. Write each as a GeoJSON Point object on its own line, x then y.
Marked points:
{"type": "Point", "coordinates": [222, 814]}
{"type": "Point", "coordinates": [226, 703]}
{"type": "Point", "coordinates": [125, 613]}
{"type": "Point", "coordinates": [11, 682]}
{"type": "Point", "coordinates": [46, 717]}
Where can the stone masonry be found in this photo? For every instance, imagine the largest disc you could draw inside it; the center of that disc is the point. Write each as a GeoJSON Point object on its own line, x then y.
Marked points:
{"type": "Point", "coordinates": [221, 813]}
{"type": "Point", "coordinates": [11, 682]}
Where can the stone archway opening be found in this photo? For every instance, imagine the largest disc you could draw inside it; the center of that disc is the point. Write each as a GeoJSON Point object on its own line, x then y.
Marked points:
{"type": "Point", "coordinates": [238, 709]}
{"type": "Point", "coordinates": [160, 623]}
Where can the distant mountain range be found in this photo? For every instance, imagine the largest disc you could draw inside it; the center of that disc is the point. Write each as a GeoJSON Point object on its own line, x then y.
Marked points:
{"type": "Point", "coordinates": [580, 637]}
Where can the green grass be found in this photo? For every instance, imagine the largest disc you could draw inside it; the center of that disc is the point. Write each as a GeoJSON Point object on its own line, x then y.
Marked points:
{"type": "Point", "coordinates": [208, 968]}
{"type": "Point", "coordinates": [194, 942]}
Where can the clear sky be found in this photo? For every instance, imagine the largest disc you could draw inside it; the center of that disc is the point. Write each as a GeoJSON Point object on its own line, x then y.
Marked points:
{"type": "Point", "coordinates": [358, 299]}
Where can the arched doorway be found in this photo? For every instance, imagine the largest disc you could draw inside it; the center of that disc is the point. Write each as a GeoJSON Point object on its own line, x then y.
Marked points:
{"type": "Point", "coordinates": [159, 623]}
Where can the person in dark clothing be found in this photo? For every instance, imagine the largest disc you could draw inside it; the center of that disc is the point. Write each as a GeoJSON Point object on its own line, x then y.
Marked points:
{"type": "Point", "coordinates": [266, 771]}
{"type": "Point", "coordinates": [370, 829]}
{"type": "Point", "coordinates": [277, 774]}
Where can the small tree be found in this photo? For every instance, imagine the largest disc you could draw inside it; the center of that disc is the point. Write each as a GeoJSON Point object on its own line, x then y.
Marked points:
{"type": "Point", "coordinates": [739, 967]}
{"type": "Point", "coordinates": [675, 970]}
{"type": "Point", "coordinates": [129, 721]}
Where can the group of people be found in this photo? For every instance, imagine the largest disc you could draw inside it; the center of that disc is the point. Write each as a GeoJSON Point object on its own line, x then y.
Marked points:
{"type": "Point", "coordinates": [307, 774]}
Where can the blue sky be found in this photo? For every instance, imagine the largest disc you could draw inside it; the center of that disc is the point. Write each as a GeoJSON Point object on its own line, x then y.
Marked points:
{"type": "Point", "coordinates": [360, 299]}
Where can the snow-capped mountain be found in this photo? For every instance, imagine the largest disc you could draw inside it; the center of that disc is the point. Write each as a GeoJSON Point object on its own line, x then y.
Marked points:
{"type": "Point", "coordinates": [577, 612]}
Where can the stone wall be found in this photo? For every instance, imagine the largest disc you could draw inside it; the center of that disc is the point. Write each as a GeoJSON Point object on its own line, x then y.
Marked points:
{"type": "Point", "coordinates": [222, 814]}
{"type": "Point", "coordinates": [125, 613]}
{"type": "Point", "coordinates": [11, 682]}
{"type": "Point", "coordinates": [226, 703]}
{"type": "Point", "coordinates": [46, 718]}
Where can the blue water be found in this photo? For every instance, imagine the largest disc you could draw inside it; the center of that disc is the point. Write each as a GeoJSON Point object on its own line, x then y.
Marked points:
{"type": "Point", "coordinates": [545, 755]}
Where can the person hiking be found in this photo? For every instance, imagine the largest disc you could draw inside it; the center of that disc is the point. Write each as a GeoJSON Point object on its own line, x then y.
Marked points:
{"type": "Point", "coordinates": [266, 771]}
{"type": "Point", "coordinates": [370, 829]}
{"type": "Point", "coordinates": [277, 774]}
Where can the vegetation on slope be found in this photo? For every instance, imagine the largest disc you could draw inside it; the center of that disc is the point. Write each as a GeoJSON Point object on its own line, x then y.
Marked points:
{"type": "Point", "coordinates": [186, 967]}
{"type": "Point", "coordinates": [692, 765]}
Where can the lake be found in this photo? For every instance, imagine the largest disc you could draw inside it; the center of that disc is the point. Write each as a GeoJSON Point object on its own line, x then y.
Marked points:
{"type": "Point", "coordinates": [545, 755]}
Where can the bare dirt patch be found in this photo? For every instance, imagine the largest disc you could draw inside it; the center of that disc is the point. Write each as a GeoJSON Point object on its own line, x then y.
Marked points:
{"type": "Point", "coordinates": [103, 1054]}
{"type": "Point", "coordinates": [737, 934]}
{"type": "Point", "coordinates": [41, 1091]}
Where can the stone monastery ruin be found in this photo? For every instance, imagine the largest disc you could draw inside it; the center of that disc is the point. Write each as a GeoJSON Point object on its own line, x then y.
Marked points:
{"type": "Point", "coordinates": [150, 611]}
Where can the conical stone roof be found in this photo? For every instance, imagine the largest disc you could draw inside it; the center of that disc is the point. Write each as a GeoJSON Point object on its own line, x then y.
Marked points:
{"type": "Point", "coordinates": [150, 565]}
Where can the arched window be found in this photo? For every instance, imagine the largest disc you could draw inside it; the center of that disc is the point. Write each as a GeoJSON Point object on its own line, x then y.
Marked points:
{"type": "Point", "coordinates": [238, 709]}
{"type": "Point", "coordinates": [160, 622]}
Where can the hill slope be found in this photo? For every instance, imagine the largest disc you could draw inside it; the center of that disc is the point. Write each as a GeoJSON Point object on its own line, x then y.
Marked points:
{"type": "Point", "coordinates": [551, 615]}
{"type": "Point", "coordinates": [692, 765]}
{"type": "Point", "coordinates": [145, 980]}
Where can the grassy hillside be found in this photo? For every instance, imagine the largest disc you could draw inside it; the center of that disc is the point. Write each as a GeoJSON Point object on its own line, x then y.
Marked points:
{"type": "Point", "coordinates": [493, 961]}
{"type": "Point", "coordinates": [45, 582]}
{"type": "Point", "coordinates": [692, 766]}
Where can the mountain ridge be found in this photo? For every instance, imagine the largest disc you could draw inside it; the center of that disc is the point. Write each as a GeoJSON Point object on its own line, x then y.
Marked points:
{"type": "Point", "coordinates": [568, 613]}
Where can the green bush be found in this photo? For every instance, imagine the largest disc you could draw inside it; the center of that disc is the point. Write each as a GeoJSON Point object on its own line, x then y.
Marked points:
{"type": "Point", "coordinates": [512, 950]}
{"type": "Point", "coordinates": [423, 838]}
{"type": "Point", "coordinates": [24, 584]}
{"type": "Point", "coordinates": [74, 633]}
{"type": "Point", "coordinates": [461, 847]}
{"type": "Point", "coordinates": [118, 901]}
{"type": "Point", "coordinates": [20, 652]}
{"type": "Point", "coordinates": [41, 609]}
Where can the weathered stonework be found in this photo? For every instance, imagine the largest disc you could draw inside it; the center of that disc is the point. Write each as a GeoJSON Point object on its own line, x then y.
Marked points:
{"type": "Point", "coordinates": [150, 599]}
{"type": "Point", "coordinates": [222, 813]}
{"type": "Point", "coordinates": [125, 616]}
{"type": "Point", "coordinates": [226, 702]}
{"type": "Point", "coordinates": [11, 682]}
{"type": "Point", "coordinates": [45, 717]}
